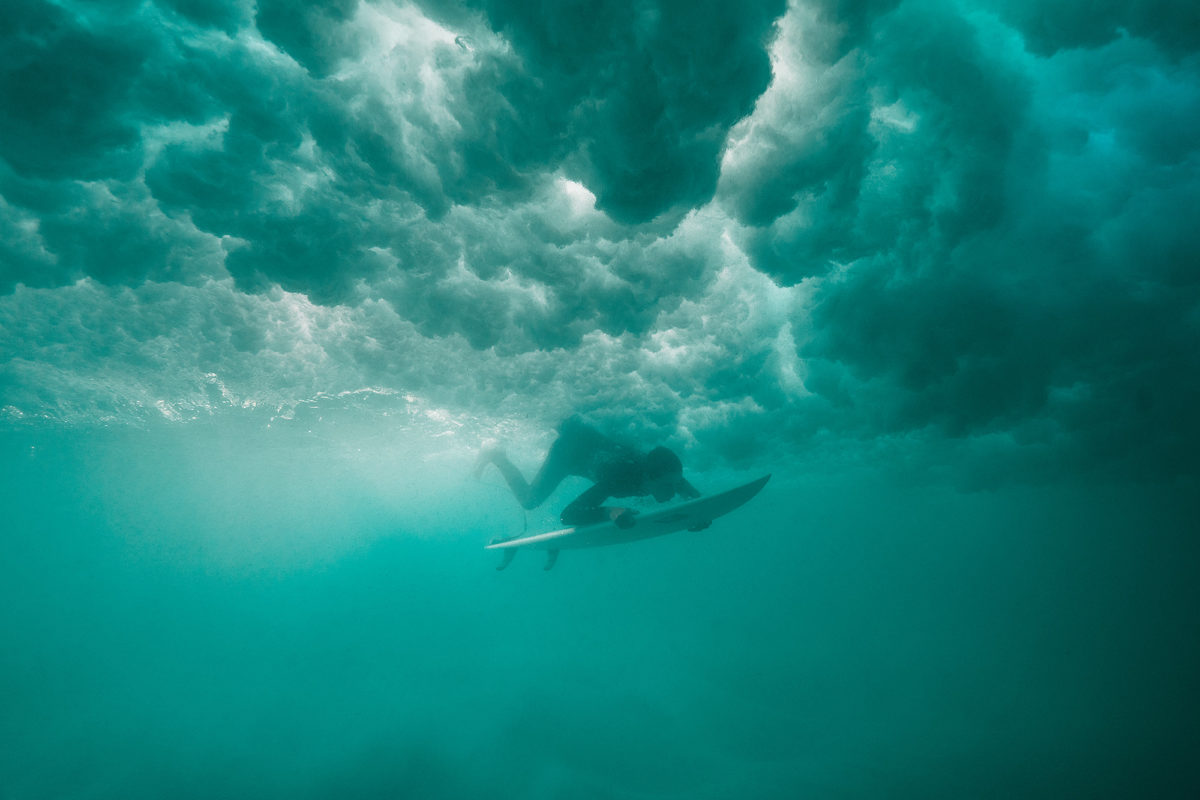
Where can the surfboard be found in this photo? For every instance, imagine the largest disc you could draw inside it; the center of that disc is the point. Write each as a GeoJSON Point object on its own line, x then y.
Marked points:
{"type": "Point", "coordinates": [693, 515]}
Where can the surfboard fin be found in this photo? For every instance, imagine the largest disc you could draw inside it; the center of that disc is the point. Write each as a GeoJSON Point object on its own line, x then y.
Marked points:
{"type": "Point", "coordinates": [551, 559]}
{"type": "Point", "coordinates": [509, 555]}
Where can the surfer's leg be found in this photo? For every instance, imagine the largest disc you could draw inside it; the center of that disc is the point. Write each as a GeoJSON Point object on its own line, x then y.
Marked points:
{"type": "Point", "coordinates": [531, 496]}
{"type": "Point", "coordinates": [558, 465]}
{"type": "Point", "coordinates": [553, 470]}
{"type": "Point", "coordinates": [567, 456]}
{"type": "Point", "coordinates": [516, 481]}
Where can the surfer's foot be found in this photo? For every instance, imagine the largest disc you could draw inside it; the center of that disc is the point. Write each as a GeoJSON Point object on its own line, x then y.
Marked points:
{"type": "Point", "coordinates": [487, 454]}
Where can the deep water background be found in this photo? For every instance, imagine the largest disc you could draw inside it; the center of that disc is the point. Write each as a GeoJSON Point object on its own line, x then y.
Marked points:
{"type": "Point", "coordinates": [227, 608]}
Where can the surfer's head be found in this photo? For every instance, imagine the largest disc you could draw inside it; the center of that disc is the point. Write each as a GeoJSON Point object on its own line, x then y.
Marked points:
{"type": "Point", "coordinates": [664, 474]}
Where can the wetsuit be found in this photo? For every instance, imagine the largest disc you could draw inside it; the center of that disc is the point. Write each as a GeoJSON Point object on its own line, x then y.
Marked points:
{"type": "Point", "coordinates": [580, 450]}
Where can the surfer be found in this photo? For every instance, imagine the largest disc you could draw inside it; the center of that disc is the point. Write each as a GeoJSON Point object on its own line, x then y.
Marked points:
{"type": "Point", "coordinates": [615, 469]}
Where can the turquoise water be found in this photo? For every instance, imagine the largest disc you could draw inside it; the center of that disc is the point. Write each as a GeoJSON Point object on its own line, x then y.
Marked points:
{"type": "Point", "coordinates": [272, 273]}
{"type": "Point", "coordinates": [199, 611]}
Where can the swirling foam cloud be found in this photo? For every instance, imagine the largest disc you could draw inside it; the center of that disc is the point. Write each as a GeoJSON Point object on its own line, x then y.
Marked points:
{"type": "Point", "coordinates": [821, 227]}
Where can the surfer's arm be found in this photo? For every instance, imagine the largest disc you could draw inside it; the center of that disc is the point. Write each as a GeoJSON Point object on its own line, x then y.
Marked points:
{"type": "Point", "coordinates": [685, 489]}
{"type": "Point", "coordinates": [587, 509]}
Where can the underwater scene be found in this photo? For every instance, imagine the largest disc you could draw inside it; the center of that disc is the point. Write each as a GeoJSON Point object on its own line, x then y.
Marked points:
{"type": "Point", "coordinates": [304, 305]}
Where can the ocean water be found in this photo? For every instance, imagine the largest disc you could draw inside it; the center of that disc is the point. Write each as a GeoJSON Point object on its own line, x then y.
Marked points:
{"type": "Point", "coordinates": [273, 272]}
{"type": "Point", "coordinates": [229, 610]}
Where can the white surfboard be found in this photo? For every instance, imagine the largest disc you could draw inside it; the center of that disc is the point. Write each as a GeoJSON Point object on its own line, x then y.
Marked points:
{"type": "Point", "coordinates": [692, 515]}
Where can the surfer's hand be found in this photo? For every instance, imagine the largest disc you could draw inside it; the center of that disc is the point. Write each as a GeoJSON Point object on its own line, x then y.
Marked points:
{"type": "Point", "coordinates": [700, 526]}
{"type": "Point", "coordinates": [623, 517]}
